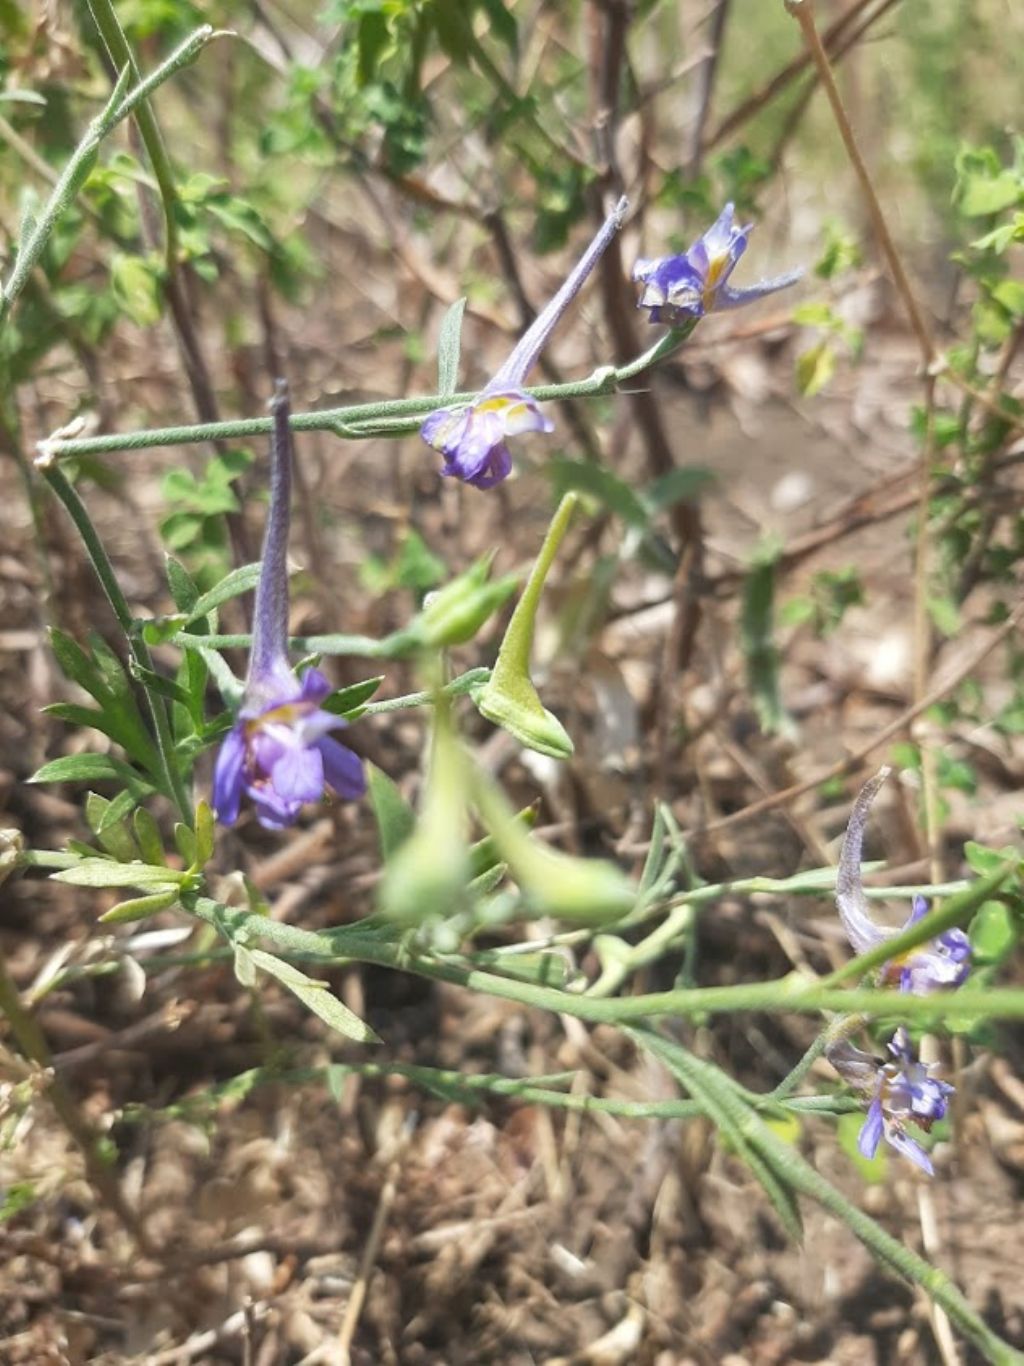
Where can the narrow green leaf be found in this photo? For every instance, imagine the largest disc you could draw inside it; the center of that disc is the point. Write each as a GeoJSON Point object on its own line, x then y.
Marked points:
{"type": "Point", "coordinates": [588, 477]}
{"type": "Point", "coordinates": [815, 367]}
{"type": "Point", "coordinates": [139, 908]}
{"type": "Point", "coordinates": [116, 840]}
{"type": "Point", "coordinates": [239, 581]}
{"type": "Point", "coordinates": [147, 832]}
{"type": "Point", "coordinates": [95, 806]}
{"type": "Point", "coordinates": [72, 768]}
{"type": "Point", "coordinates": [182, 586]}
{"type": "Point", "coordinates": [75, 664]}
{"type": "Point", "coordinates": [245, 967]}
{"type": "Point", "coordinates": [395, 817]}
{"type": "Point", "coordinates": [117, 811]}
{"type": "Point", "coordinates": [164, 687]}
{"type": "Point", "coordinates": [348, 700]}
{"type": "Point", "coordinates": [449, 346]}
{"type": "Point", "coordinates": [315, 996]}
{"type": "Point", "coordinates": [97, 872]}
{"type": "Point", "coordinates": [733, 1118]}
{"type": "Point", "coordinates": [205, 834]}
{"type": "Point", "coordinates": [185, 842]}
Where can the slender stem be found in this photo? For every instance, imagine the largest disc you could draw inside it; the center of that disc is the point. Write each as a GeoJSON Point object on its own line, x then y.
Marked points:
{"type": "Point", "coordinates": [174, 786]}
{"type": "Point", "coordinates": [395, 646]}
{"type": "Point", "coordinates": [74, 175]}
{"type": "Point", "coordinates": [923, 637]}
{"type": "Point", "coordinates": [121, 55]}
{"type": "Point", "coordinates": [788, 994]}
{"type": "Point", "coordinates": [472, 678]}
{"type": "Point", "coordinates": [359, 422]}
{"type": "Point", "coordinates": [803, 12]}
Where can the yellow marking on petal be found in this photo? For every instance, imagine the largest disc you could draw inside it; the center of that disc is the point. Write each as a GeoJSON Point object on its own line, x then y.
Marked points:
{"type": "Point", "coordinates": [285, 714]}
{"type": "Point", "coordinates": [716, 268]}
{"type": "Point", "coordinates": [501, 404]}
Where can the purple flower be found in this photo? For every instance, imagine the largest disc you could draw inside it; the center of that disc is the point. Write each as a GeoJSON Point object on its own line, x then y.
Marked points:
{"type": "Point", "coordinates": [939, 963]}
{"type": "Point", "coordinates": [279, 751]}
{"type": "Point", "coordinates": [682, 289]}
{"type": "Point", "coordinates": [900, 1092]}
{"type": "Point", "coordinates": [472, 437]}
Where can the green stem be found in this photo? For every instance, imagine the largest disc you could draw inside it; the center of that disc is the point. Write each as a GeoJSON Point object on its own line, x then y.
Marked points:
{"type": "Point", "coordinates": [395, 646]}
{"type": "Point", "coordinates": [122, 57]}
{"type": "Point", "coordinates": [76, 172]}
{"type": "Point", "coordinates": [359, 422]}
{"type": "Point", "coordinates": [784, 995]}
{"type": "Point", "coordinates": [472, 678]}
{"type": "Point", "coordinates": [174, 786]}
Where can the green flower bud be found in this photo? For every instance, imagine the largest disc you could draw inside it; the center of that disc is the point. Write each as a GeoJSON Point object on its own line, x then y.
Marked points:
{"type": "Point", "coordinates": [509, 698]}
{"type": "Point", "coordinates": [455, 613]}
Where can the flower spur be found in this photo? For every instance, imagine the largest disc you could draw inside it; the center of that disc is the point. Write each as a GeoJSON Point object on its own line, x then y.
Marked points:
{"type": "Point", "coordinates": [935, 965]}
{"type": "Point", "coordinates": [472, 437]}
{"type": "Point", "coordinates": [280, 752]}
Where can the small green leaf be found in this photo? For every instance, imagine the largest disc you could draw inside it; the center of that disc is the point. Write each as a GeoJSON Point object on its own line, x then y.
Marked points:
{"type": "Point", "coordinates": [117, 811]}
{"type": "Point", "coordinates": [147, 832]}
{"type": "Point", "coordinates": [1010, 295]}
{"type": "Point", "coordinates": [182, 586]}
{"type": "Point", "coordinates": [76, 768]}
{"type": "Point", "coordinates": [75, 664]}
{"type": "Point", "coordinates": [117, 841]}
{"type": "Point", "coordinates": [139, 908]}
{"type": "Point", "coordinates": [815, 367]}
{"type": "Point", "coordinates": [163, 629]}
{"type": "Point", "coordinates": [982, 195]}
{"type": "Point", "coordinates": [245, 967]}
{"type": "Point", "coordinates": [135, 282]}
{"type": "Point", "coordinates": [238, 215]}
{"type": "Point", "coordinates": [96, 872]}
{"type": "Point", "coordinates": [315, 996]}
{"type": "Point", "coordinates": [994, 933]}
{"type": "Point", "coordinates": [679, 485]}
{"type": "Point", "coordinates": [351, 699]}
{"type": "Point", "coordinates": [240, 580]}
{"type": "Point", "coordinates": [95, 807]}
{"type": "Point", "coordinates": [588, 477]}
{"type": "Point", "coordinates": [814, 314]}
{"type": "Point", "coordinates": [449, 345]}
{"type": "Point", "coordinates": [185, 842]}
{"type": "Point", "coordinates": [983, 860]}
{"type": "Point", "coordinates": [205, 833]}
{"type": "Point", "coordinates": [394, 816]}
